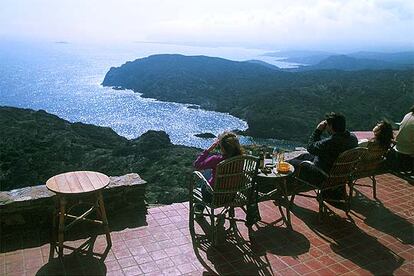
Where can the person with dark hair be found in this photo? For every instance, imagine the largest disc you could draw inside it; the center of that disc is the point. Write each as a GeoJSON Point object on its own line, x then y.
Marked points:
{"type": "Point", "coordinates": [336, 121]}
{"type": "Point", "coordinates": [323, 152]}
{"type": "Point", "coordinates": [229, 147]}
{"type": "Point", "coordinates": [383, 136]}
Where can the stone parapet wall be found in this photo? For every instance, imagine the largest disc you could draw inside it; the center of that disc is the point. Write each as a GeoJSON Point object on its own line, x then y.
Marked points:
{"type": "Point", "coordinates": [34, 206]}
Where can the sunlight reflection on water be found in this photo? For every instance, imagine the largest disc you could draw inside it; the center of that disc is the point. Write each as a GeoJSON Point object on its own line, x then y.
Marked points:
{"type": "Point", "coordinates": [64, 79]}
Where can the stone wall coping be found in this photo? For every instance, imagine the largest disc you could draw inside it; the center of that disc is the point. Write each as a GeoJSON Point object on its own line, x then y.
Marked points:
{"type": "Point", "coordinates": [32, 193]}
{"type": "Point", "coordinates": [41, 191]}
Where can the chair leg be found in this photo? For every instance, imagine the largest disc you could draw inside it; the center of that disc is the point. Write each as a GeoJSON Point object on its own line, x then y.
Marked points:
{"type": "Point", "coordinates": [350, 195]}
{"type": "Point", "coordinates": [192, 215]}
{"type": "Point", "coordinates": [292, 201]}
{"type": "Point", "coordinates": [320, 201]}
{"type": "Point", "coordinates": [212, 227]}
{"type": "Point", "coordinates": [374, 187]}
{"type": "Point", "coordinates": [231, 218]}
{"type": "Point", "coordinates": [352, 188]}
{"type": "Point", "coordinates": [347, 204]}
{"type": "Point", "coordinates": [220, 230]}
{"type": "Point", "coordinates": [231, 213]}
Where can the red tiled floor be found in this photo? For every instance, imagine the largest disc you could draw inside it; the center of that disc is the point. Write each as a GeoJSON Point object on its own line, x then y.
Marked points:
{"type": "Point", "coordinates": [143, 258]}
{"type": "Point", "coordinates": [127, 262]}
{"type": "Point", "coordinates": [164, 263]}
{"type": "Point", "coordinates": [149, 267]}
{"type": "Point", "coordinates": [380, 240]}
{"type": "Point", "coordinates": [132, 270]}
{"type": "Point", "coordinates": [112, 265]}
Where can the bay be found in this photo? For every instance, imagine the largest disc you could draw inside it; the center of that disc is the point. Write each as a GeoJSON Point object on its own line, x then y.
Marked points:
{"type": "Point", "coordinates": [65, 79]}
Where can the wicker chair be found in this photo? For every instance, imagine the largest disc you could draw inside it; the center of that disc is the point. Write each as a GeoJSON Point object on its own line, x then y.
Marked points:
{"type": "Point", "coordinates": [233, 185]}
{"type": "Point", "coordinates": [371, 163]}
{"type": "Point", "coordinates": [339, 176]}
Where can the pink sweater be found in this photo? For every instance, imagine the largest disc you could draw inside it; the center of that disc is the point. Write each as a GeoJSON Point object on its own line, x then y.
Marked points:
{"type": "Point", "coordinates": [204, 162]}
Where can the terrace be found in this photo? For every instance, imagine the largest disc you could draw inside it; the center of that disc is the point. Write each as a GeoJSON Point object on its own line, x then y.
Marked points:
{"type": "Point", "coordinates": [376, 239]}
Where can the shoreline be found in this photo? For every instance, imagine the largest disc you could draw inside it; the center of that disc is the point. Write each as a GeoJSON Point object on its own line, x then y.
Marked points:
{"type": "Point", "coordinates": [244, 134]}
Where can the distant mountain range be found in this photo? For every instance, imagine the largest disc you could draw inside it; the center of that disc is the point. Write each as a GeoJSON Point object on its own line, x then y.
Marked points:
{"type": "Point", "coordinates": [348, 63]}
{"type": "Point", "coordinates": [265, 64]}
{"type": "Point", "coordinates": [303, 57]}
{"type": "Point", "coordinates": [317, 60]}
{"type": "Point", "coordinates": [399, 58]}
{"type": "Point", "coordinates": [275, 104]}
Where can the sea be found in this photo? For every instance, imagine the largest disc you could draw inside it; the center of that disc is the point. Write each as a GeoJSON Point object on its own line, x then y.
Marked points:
{"type": "Point", "coordinates": [64, 79]}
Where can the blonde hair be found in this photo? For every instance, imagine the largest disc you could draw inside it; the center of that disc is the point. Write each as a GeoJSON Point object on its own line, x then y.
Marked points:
{"type": "Point", "coordinates": [230, 144]}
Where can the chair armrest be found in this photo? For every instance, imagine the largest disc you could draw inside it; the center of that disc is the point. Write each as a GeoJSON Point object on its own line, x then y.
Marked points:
{"type": "Point", "coordinates": [199, 178]}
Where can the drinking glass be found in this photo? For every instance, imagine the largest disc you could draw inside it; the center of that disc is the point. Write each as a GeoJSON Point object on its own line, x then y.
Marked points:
{"type": "Point", "coordinates": [275, 155]}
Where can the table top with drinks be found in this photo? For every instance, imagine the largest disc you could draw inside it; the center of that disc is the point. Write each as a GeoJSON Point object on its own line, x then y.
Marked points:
{"type": "Point", "coordinates": [276, 170]}
{"type": "Point", "coordinates": [275, 166]}
{"type": "Point", "coordinates": [272, 181]}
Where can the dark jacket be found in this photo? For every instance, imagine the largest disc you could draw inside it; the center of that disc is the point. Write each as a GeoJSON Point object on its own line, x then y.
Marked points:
{"type": "Point", "coordinates": [327, 150]}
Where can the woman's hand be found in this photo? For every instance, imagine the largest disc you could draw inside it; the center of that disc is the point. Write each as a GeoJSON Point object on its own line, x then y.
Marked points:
{"type": "Point", "coordinates": [214, 145]}
{"type": "Point", "coordinates": [322, 125]}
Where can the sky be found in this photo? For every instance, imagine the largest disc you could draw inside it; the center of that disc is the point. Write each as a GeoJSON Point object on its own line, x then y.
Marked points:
{"type": "Point", "coordinates": [265, 24]}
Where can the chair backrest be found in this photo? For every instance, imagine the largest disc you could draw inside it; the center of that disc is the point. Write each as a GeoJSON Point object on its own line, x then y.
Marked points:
{"type": "Point", "coordinates": [371, 161]}
{"type": "Point", "coordinates": [344, 166]}
{"type": "Point", "coordinates": [234, 179]}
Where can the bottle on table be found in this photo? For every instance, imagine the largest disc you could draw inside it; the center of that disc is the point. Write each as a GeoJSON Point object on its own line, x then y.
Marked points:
{"type": "Point", "coordinates": [261, 160]}
{"type": "Point", "coordinates": [281, 160]}
{"type": "Point", "coordinates": [281, 156]}
{"type": "Point", "coordinates": [275, 155]}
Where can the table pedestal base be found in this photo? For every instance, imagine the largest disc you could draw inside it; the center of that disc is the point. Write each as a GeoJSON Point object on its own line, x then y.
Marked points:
{"type": "Point", "coordinates": [280, 195]}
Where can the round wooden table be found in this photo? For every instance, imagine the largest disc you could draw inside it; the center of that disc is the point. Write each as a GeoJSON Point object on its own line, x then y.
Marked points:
{"type": "Point", "coordinates": [69, 188]}
{"type": "Point", "coordinates": [273, 185]}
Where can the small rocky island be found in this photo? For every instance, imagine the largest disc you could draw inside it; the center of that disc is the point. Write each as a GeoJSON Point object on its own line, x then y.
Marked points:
{"type": "Point", "coordinates": [206, 135]}
{"type": "Point", "coordinates": [193, 106]}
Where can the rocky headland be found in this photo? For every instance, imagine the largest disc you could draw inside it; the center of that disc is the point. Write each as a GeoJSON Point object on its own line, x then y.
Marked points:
{"type": "Point", "coordinates": [35, 145]}
{"type": "Point", "coordinates": [275, 103]}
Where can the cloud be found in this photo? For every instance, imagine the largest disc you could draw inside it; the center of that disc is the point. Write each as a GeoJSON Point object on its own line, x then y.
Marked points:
{"type": "Point", "coordinates": [243, 23]}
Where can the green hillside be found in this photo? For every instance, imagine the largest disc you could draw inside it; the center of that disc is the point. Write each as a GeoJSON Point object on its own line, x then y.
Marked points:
{"type": "Point", "coordinates": [35, 145]}
{"type": "Point", "coordinates": [275, 104]}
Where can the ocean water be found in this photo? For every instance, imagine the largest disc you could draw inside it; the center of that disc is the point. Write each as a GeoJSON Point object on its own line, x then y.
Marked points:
{"type": "Point", "coordinates": [65, 79]}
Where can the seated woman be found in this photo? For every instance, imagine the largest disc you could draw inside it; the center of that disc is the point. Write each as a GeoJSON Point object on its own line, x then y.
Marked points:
{"type": "Point", "coordinates": [383, 136]}
{"type": "Point", "coordinates": [229, 147]}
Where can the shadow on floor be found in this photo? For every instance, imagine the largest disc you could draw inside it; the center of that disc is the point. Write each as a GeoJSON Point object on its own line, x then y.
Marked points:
{"type": "Point", "coordinates": [350, 242]}
{"type": "Point", "coordinates": [14, 238]}
{"type": "Point", "coordinates": [278, 241]}
{"type": "Point", "coordinates": [74, 264]}
{"type": "Point", "coordinates": [381, 218]}
{"type": "Point", "coordinates": [232, 256]}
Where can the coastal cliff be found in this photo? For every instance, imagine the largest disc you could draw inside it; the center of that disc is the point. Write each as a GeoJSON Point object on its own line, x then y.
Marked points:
{"type": "Point", "coordinates": [35, 145]}
{"type": "Point", "coordinates": [275, 104]}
